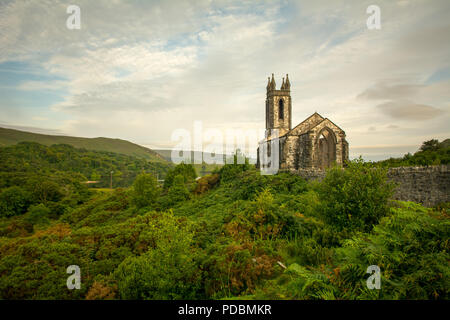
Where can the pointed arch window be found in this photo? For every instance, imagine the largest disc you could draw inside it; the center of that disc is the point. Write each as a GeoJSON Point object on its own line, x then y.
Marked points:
{"type": "Point", "coordinates": [281, 109]}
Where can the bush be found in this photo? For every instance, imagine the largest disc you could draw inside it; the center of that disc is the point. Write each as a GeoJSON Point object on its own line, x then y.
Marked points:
{"type": "Point", "coordinates": [168, 270]}
{"type": "Point", "coordinates": [13, 201]}
{"type": "Point", "coordinates": [355, 198]}
{"type": "Point", "coordinates": [145, 190]}
{"type": "Point", "coordinates": [187, 171]}
{"type": "Point", "coordinates": [45, 191]}
{"type": "Point", "coordinates": [38, 215]}
{"type": "Point", "coordinates": [206, 183]}
{"type": "Point", "coordinates": [411, 249]}
{"type": "Point", "coordinates": [178, 191]}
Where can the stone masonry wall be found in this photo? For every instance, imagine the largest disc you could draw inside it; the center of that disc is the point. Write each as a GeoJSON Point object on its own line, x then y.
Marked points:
{"type": "Point", "coordinates": [426, 185]}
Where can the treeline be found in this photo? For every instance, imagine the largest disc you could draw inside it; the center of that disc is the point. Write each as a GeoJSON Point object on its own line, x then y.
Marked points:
{"type": "Point", "coordinates": [232, 234]}
{"type": "Point", "coordinates": [27, 159]}
{"type": "Point", "coordinates": [432, 152]}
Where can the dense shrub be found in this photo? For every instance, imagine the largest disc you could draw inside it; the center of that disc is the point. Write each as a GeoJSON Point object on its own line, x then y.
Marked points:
{"type": "Point", "coordinates": [38, 215]}
{"type": "Point", "coordinates": [411, 249]}
{"type": "Point", "coordinates": [355, 198]}
{"type": "Point", "coordinates": [145, 190]}
{"type": "Point", "coordinates": [45, 191]}
{"type": "Point", "coordinates": [206, 183]}
{"type": "Point", "coordinates": [187, 171]}
{"type": "Point", "coordinates": [13, 201]}
{"type": "Point", "coordinates": [168, 270]}
{"type": "Point", "coordinates": [178, 191]}
{"type": "Point", "coordinates": [431, 152]}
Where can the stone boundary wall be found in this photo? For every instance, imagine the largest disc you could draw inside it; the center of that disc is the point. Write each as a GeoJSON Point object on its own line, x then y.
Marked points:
{"type": "Point", "coordinates": [428, 185]}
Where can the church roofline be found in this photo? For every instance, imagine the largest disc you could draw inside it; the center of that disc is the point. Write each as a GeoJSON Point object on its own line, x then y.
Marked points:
{"type": "Point", "coordinates": [305, 121]}
{"type": "Point", "coordinates": [331, 122]}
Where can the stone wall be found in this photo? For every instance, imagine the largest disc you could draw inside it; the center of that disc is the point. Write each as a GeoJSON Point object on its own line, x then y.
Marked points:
{"type": "Point", "coordinates": [310, 174]}
{"type": "Point", "coordinates": [426, 185]}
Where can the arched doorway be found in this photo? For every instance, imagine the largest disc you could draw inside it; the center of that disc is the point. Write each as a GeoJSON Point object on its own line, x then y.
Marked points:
{"type": "Point", "coordinates": [326, 148]}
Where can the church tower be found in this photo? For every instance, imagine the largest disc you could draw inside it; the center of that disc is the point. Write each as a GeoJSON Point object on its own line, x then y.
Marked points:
{"type": "Point", "coordinates": [278, 107]}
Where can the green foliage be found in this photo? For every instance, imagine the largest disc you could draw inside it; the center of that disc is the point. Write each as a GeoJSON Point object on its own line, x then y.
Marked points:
{"type": "Point", "coordinates": [187, 171]}
{"type": "Point", "coordinates": [300, 283]}
{"type": "Point", "coordinates": [13, 201]}
{"type": "Point", "coordinates": [231, 171]}
{"type": "Point", "coordinates": [410, 247]}
{"type": "Point", "coordinates": [237, 234]}
{"type": "Point", "coordinates": [431, 152]}
{"type": "Point", "coordinates": [26, 161]}
{"type": "Point", "coordinates": [47, 191]}
{"type": "Point", "coordinates": [38, 215]}
{"type": "Point", "coordinates": [355, 198]}
{"type": "Point", "coordinates": [430, 145]}
{"type": "Point", "coordinates": [178, 191]}
{"type": "Point", "coordinates": [206, 183]}
{"type": "Point", "coordinates": [168, 270]}
{"type": "Point", "coordinates": [145, 190]}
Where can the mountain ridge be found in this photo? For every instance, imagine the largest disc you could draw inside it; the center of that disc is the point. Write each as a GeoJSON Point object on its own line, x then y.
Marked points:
{"type": "Point", "coordinates": [12, 136]}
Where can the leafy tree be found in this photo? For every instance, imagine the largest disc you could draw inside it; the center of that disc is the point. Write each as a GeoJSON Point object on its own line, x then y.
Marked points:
{"type": "Point", "coordinates": [432, 152]}
{"type": "Point", "coordinates": [45, 191]}
{"type": "Point", "coordinates": [145, 190]}
{"type": "Point", "coordinates": [95, 176]}
{"type": "Point", "coordinates": [355, 198]}
{"type": "Point", "coordinates": [13, 201]}
{"type": "Point", "coordinates": [430, 145]}
{"type": "Point", "coordinates": [168, 270]}
{"type": "Point", "coordinates": [178, 191]}
{"type": "Point", "coordinates": [38, 215]}
{"type": "Point", "coordinates": [187, 171]}
{"type": "Point", "coordinates": [230, 171]}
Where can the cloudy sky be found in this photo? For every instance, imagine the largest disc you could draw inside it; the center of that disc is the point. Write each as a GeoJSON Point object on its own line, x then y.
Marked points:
{"type": "Point", "coordinates": [138, 70]}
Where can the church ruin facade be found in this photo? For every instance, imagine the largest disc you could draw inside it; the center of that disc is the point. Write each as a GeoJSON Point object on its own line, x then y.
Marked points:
{"type": "Point", "coordinates": [314, 143]}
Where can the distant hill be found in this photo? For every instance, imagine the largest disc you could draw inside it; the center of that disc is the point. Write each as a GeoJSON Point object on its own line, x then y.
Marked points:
{"type": "Point", "coordinates": [11, 137]}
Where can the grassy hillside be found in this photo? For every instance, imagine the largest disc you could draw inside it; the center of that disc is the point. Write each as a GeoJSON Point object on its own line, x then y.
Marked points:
{"type": "Point", "coordinates": [10, 137]}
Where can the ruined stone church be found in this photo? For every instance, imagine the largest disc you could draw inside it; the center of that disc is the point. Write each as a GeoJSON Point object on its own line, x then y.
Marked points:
{"type": "Point", "coordinates": [314, 143]}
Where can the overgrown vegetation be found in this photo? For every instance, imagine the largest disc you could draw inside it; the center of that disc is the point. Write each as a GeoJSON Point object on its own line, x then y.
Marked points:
{"type": "Point", "coordinates": [432, 152]}
{"type": "Point", "coordinates": [28, 164]}
{"type": "Point", "coordinates": [232, 234]}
